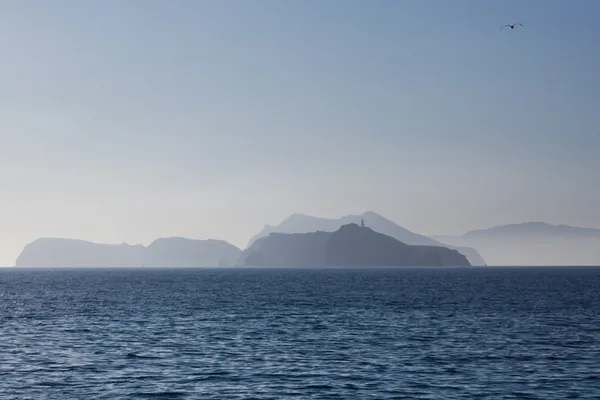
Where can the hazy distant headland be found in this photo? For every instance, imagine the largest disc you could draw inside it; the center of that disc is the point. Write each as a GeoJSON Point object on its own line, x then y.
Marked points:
{"type": "Point", "coordinates": [171, 252]}
{"type": "Point", "coordinates": [533, 243]}
{"type": "Point", "coordinates": [299, 223]}
{"type": "Point", "coordinates": [350, 245]}
{"type": "Point", "coordinates": [187, 252]}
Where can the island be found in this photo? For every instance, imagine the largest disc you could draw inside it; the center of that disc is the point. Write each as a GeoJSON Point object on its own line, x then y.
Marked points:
{"type": "Point", "coordinates": [351, 245]}
{"type": "Point", "coordinates": [300, 223]}
{"type": "Point", "coordinates": [533, 243]}
{"type": "Point", "coordinates": [166, 252]}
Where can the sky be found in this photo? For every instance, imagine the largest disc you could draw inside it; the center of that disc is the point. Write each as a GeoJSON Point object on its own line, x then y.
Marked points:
{"type": "Point", "coordinates": [125, 121]}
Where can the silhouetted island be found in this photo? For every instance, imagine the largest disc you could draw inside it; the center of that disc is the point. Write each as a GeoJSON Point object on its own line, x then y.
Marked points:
{"type": "Point", "coordinates": [168, 252]}
{"type": "Point", "coordinates": [533, 243]}
{"type": "Point", "coordinates": [299, 223]}
{"type": "Point", "coordinates": [350, 245]}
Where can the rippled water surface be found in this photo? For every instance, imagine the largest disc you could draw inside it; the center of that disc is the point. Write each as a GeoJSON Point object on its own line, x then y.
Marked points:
{"type": "Point", "coordinates": [500, 333]}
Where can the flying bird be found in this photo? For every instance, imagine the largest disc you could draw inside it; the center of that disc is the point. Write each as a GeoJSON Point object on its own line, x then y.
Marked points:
{"type": "Point", "coordinates": [511, 26]}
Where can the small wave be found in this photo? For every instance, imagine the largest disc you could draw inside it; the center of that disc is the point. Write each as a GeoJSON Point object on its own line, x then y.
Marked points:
{"type": "Point", "coordinates": [139, 356]}
{"type": "Point", "coordinates": [320, 387]}
{"type": "Point", "coordinates": [161, 395]}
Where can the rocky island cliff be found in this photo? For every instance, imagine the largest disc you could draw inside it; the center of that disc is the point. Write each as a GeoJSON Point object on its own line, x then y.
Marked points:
{"type": "Point", "coordinates": [350, 245]}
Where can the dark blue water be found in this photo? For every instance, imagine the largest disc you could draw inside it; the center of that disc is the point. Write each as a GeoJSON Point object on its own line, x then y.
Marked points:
{"type": "Point", "coordinates": [300, 333]}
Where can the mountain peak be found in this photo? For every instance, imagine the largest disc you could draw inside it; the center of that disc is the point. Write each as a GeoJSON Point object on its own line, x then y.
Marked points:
{"type": "Point", "coordinates": [371, 214]}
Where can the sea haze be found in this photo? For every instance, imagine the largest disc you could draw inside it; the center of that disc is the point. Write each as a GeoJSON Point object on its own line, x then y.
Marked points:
{"type": "Point", "coordinates": [332, 333]}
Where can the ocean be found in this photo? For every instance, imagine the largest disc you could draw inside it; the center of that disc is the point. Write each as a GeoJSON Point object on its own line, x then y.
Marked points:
{"type": "Point", "coordinates": [278, 333]}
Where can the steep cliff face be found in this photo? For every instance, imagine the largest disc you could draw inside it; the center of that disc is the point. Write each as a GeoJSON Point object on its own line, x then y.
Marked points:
{"type": "Point", "coordinates": [169, 252]}
{"type": "Point", "coordinates": [351, 245]}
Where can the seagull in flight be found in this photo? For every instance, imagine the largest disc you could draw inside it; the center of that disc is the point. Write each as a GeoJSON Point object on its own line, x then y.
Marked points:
{"type": "Point", "coordinates": [511, 26]}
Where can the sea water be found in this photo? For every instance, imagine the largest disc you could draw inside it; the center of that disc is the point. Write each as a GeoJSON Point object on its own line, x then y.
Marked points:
{"type": "Point", "coordinates": [331, 333]}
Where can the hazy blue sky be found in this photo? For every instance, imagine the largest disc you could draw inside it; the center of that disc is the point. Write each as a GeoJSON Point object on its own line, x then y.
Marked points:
{"type": "Point", "coordinates": [124, 121]}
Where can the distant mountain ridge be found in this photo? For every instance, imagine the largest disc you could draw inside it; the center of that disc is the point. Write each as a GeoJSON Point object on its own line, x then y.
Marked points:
{"type": "Point", "coordinates": [167, 252]}
{"type": "Point", "coordinates": [300, 223]}
{"type": "Point", "coordinates": [535, 228]}
{"type": "Point", "coordinates": [350, 245]}
{"type": "Point", "coordinates": [533, 243]}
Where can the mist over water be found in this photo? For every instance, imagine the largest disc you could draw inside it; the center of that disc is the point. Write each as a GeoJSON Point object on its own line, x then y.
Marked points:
{"type": "Point", "coordinates": [384, 333]}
